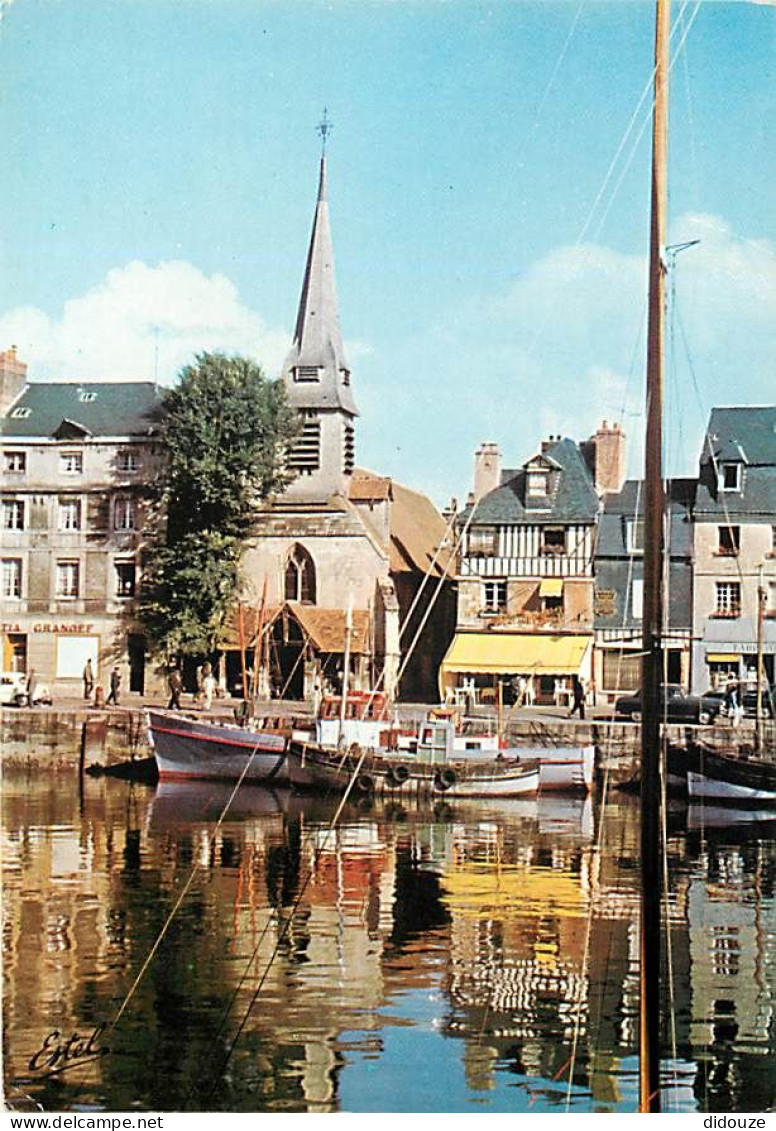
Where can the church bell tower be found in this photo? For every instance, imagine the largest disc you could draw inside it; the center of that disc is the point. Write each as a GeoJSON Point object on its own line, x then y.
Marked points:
{"type": "Point", "coordinates": [316, 373]}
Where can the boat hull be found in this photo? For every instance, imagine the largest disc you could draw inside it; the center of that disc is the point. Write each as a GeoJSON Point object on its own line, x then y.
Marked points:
{"type": "Point", "coordinates": [722, 778]}
{"type": "Point", "coordinates": [325, 769]}
{"type": "Point", "coordinates": [562, 769]}
{"type": "Point", "coordinates": [191, 749]}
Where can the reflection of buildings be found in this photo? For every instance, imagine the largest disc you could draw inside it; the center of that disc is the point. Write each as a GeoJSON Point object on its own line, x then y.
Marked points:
{"type": "Point", "coordinates": [316, 940]}
{"type": "Point", "coordinates": [730, 943]}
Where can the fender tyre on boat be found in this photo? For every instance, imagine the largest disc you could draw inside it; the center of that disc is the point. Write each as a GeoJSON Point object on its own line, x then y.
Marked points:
{"type": "Point", "coordinates": [397, 776]}
{"type": "Point", "coordinates": [444, 779]}
{"type": "Point", "coordinates": [365, 783]}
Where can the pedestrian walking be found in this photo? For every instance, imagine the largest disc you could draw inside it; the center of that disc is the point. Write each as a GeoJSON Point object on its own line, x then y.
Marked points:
{"type": "Point", "coordinates": [578, 694]}
{"type": "Point", "coordinates": [115, 688]}
{"type": "Point", "coordinates": [88, 677]}
{"type": "Point", "coordinates": [175, 684]}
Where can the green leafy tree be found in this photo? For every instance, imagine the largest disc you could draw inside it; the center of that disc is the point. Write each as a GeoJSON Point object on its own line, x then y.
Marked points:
{"type": "Point", "coordinates": [225, 429]}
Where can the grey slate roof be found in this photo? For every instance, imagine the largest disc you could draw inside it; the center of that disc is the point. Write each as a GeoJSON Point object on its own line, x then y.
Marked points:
{"type": "Point", "coordinates": [108, 408]}
{"type": "Point", "coordinates": [745, 435]}
{"type": "Point", "coordinates": [618, 509]}
{"type": "Point", "coordinates": [572, 499]}
{"type": "Point", "coordinates": [747, 429]}
{"type": "Point", "coordinates": [317, 337]}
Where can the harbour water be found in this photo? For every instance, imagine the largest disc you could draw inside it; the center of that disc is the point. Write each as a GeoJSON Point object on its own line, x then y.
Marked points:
{"type": "Point", "coordinates": [467, 958]}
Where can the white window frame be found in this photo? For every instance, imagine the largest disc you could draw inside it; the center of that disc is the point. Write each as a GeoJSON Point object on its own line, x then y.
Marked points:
{"type": "Point", "coordinates": [71, 463]}
{"type": "Point", "coordinates": [13, 514]}
{"type": "Point", "coordinates": [723, 469]}
{"type": "Point", "coordinates": [725, 603]}
{"type": "Point", "coordinates": [10, 458]}
{"type": "Point", "coordinates": [68, 579]}
{"type": "Point", "coordinates": [491, 589]}
{"type": "Point", "coordinates": [124, 513]}
{"type": "Point", "coordinates": [65, 508]}
{"type": "Point", "coordinates": [127, 460]}
{"type": "Point", "coordinates": [634, 527]}
{"type": "Point", "coordinates": [11, 577]}
{"type": "Point", "coordinates": [536, 483]}
{"type": "Point", "coordinates": [637, 598]}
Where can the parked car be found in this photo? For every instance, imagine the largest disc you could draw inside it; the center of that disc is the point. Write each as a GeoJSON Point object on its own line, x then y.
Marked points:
{"type": "Point", "coordinates": [676, 706]}
{"type": "Point", "coordinates": [13, 691]}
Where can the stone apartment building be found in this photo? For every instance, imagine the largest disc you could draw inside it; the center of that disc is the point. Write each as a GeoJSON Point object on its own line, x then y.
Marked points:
{"type": "Point", "coordinates": [526, 573]}
{"type": "Point", "coordinates": [735, 546]}
{"type": "Point", "coordinates": [74, 461]}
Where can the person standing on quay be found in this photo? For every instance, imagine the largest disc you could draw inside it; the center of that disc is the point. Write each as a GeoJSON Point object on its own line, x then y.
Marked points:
{"type": "Point", "coordinates": [115, 688]}
{"type": "Point", "coordinates": [208, 687]}
{"type": "Point", "coordinates": [88, 679]}
{"type": "Point", "coordinates": [175, 683]}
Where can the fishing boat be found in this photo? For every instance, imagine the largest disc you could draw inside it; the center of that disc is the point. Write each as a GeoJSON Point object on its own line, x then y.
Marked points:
{"type": "Point", "coordinates": [436, 755]}
{"type": "Point", "coordinates": [322, 768]}
{"type": "Point", "coordinates": [187, 747]}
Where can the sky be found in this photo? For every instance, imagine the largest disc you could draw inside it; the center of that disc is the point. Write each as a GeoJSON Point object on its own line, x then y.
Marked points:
{"type": "Point", "coordinates": [489, 194]}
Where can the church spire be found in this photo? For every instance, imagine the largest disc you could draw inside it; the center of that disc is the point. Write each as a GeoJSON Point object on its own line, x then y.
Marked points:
{"type": "Point", "coordinates": [316, 371]}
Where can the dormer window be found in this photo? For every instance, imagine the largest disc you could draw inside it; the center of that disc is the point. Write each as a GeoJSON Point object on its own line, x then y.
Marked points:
{"type": "Point", "coordinates": [635, 535]}
{"type": "Point", "coordinates": [86, 396]}
{"type": "Point", "coordinates": [537, 483]}
{"type": "Point", "coordinates": [21, 413]}
{"type": "Point", "coordinates": [307, 373]}
{"type": "Point", "coordinates": [730, 477]}
{"type": "Point", "coordinates": [345, 375]}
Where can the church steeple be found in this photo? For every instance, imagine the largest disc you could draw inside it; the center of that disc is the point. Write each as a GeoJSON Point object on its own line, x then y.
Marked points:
{"type": "Point", "coordinates": [316, 372]}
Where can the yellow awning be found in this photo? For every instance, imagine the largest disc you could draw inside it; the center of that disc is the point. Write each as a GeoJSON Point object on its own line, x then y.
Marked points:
{"type": "Point", "coordinates": [722, 657]}
{"type": "Point", "coordinates": [505, 653]}
{"type": "Point", "coordinates": [551, 587]}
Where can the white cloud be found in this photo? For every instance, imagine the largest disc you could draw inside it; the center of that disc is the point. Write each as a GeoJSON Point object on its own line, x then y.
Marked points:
{"type": "Point", "coordinates": [138, 320]}
{"type": "Point", "coordinates": [564, 347]}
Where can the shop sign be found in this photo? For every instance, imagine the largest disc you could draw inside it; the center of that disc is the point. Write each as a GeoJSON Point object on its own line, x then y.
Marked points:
{"type": "Point", "coordinates": [41, 626]}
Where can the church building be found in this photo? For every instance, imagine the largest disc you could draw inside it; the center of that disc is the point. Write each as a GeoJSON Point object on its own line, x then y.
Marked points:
{"type": "Point", "coordinates": [346, 561]}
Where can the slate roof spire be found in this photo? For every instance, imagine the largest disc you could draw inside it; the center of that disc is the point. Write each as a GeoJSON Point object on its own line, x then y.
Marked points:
{"type": "Point", "coordinates": [316, 372]}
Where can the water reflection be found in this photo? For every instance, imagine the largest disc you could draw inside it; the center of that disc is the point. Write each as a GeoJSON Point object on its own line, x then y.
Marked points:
{"type": "Point", "coordinates": [468, 958]}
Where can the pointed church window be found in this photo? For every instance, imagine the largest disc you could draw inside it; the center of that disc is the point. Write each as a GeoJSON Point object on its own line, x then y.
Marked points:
{"type": "Point", "coordinates": [300, 576]}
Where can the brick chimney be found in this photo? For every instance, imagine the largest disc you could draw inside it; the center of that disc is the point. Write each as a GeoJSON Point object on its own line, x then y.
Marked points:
{"type": "Point", "coordinates": [609, 452]}
{"type": "Point", "coordinates": [13, 378]}
{"type": "Point", "coordinates": [487, 469]}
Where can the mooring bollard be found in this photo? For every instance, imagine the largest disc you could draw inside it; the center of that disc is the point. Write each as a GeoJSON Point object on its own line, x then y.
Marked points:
{"type": "Point", "coordinates": [99, 696]}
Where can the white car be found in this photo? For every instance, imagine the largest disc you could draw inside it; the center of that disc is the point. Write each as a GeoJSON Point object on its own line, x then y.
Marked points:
{"type": "Point", "coordinates": [13, 691]}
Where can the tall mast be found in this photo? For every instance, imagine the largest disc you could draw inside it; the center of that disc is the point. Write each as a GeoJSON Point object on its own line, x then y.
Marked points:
{"type": "Point", "coordinates": [652, 662]}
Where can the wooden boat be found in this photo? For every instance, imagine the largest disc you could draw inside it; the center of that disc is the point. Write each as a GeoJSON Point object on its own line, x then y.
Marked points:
{"type": "Point", "coordinates": [444, 735]}
{"type": "Point", "coordinates": [736, 780]}
{"type": "Point", "coordinates": [317, 767]}
{"type": "Point", "coordinates": [193, 748]}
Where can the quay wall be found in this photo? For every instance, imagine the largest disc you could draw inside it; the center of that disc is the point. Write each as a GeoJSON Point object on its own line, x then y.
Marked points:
{"type": "Point", "coordinates": [50, 739]}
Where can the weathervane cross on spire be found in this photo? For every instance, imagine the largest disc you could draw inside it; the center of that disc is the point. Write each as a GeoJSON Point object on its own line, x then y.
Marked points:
{"type": "Point", "coordinates": [324, 128]}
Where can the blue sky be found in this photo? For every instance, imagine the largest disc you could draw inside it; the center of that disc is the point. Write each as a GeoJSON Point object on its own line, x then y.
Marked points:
{"type": "Point", "coordinates": [159, 174]}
